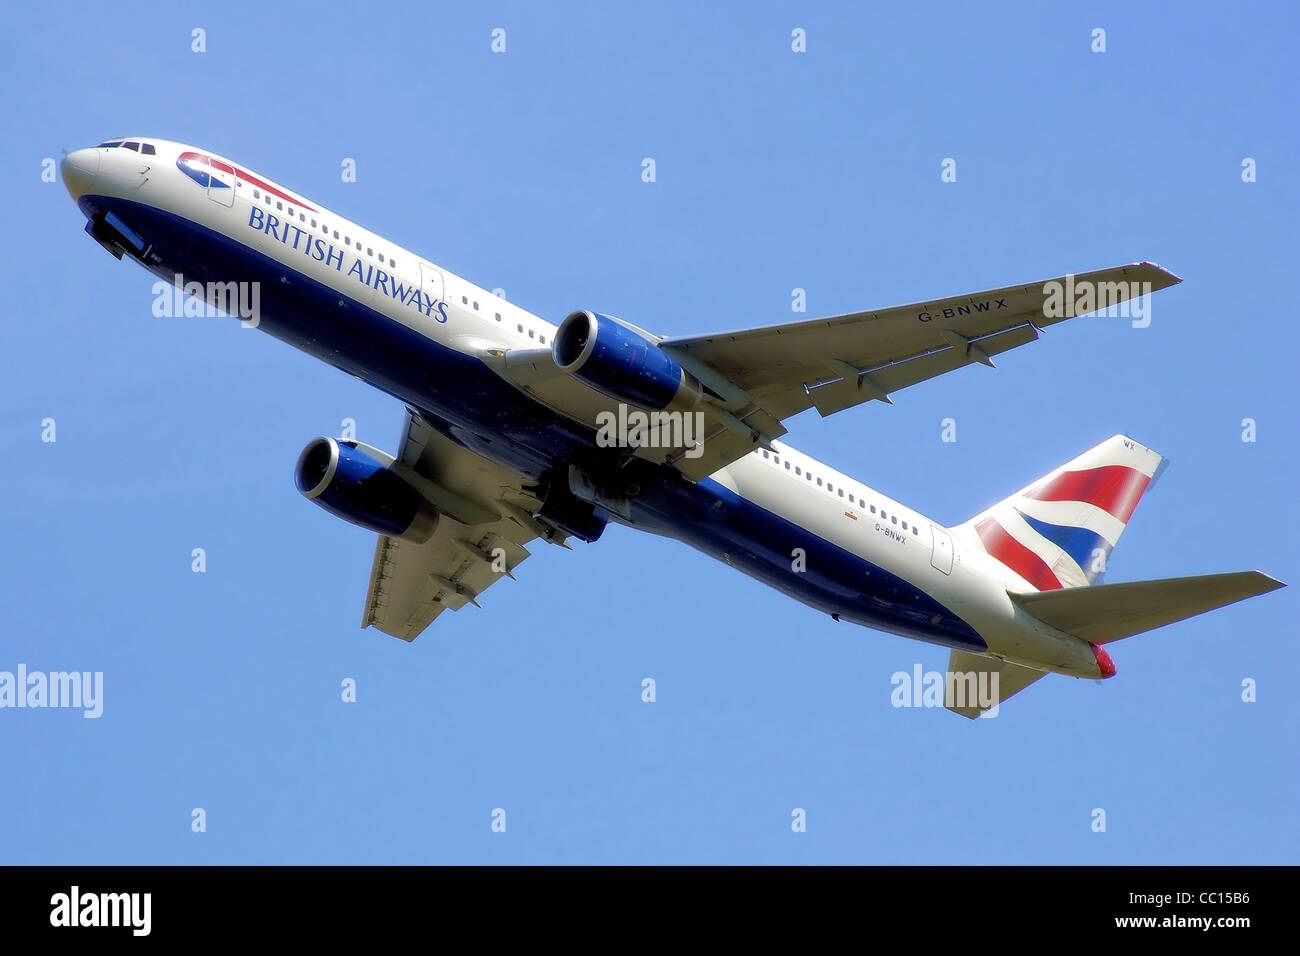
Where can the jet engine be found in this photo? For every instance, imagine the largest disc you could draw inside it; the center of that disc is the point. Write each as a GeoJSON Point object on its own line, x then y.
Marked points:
{"type": "Point", "coordinates": [351, 484]}
{"type": "Point", "coordinates": [623, 362]}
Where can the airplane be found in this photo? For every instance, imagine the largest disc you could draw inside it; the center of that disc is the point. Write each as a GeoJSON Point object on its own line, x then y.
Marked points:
{"type": "Point", "coordinates": [518, 430]}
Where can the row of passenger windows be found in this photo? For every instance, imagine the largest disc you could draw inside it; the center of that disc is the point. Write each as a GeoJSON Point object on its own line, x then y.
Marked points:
{"type": "Point", "coordinates": [325, 230]}
{"type": "Point", "coordinates": [853, 499]}
{"type": "Point", "coordinates": [532, 333]}
{"type": "Point", "coordinates": [146, 148]}
{"type": "Point", "coordinates": [347, 241]}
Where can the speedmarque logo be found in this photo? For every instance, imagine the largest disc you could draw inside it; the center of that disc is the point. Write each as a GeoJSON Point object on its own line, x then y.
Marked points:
{"type": "Point", "coordinates": [102, 909]}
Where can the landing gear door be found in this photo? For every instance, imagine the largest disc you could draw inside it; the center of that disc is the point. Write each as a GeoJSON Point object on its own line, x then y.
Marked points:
{"type": "Point", "coordinates": [431, 284]}
{"type": "Point", "coordinates": [941, 554]}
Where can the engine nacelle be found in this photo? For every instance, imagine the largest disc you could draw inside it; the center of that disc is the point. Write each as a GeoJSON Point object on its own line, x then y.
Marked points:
{"type": "Point", "coordinates": [622, 362]}
{"type": "Point", "coordinates": [352, 485]}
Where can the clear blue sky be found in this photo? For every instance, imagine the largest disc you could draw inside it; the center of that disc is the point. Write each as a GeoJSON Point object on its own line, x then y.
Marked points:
{"type": "Point", "coordinates": [775, 170]}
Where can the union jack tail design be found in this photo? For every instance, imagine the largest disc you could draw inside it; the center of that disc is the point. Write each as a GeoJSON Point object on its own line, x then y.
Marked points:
{"type": "Point", "coordinates": [1059, 531]}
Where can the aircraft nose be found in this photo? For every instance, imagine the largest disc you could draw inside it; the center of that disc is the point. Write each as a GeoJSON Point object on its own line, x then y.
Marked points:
{"type": "Point", "coordinates": [79, 169]}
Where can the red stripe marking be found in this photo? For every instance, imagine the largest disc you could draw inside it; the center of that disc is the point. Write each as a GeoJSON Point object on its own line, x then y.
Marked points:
{"type": "Point", "coordinates": [1113, 488]}
{"type": "Point", "coordinates": [247, 177]}
{"type": "Point", "coordinates": [999, 543]}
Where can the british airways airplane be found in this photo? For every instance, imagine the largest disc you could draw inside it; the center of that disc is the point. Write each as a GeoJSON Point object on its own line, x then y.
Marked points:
{"type": "Point", "coordinates": [517, 429]}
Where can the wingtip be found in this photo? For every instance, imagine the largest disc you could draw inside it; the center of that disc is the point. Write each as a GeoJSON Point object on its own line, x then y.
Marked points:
{"type": "Point", "coordinates": [1173, 278]}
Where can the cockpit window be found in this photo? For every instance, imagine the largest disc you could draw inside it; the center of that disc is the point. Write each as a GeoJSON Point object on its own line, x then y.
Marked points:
{"type": "Point", "coordinates": [147, 149]}
{"type": "Point", "coordinates": [132, 145]}
{"type": "Point", "coordinates": [111, 144]}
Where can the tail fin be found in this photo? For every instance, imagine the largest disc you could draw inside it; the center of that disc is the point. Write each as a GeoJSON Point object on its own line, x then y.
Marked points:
{"type": "Point", "coordinates": [1059, 531]}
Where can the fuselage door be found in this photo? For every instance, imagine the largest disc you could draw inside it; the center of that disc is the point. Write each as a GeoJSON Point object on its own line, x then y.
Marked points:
{"type": "Point", "coordinates": [941, 554]}
{"type": "Point", "coordinates": [221, 182]}
{"type": "Point", "coordinates": [431, 284]}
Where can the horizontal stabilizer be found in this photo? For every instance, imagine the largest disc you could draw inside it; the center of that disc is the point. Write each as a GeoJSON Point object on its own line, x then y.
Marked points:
{"type": "Point", "coordinates": [1108, 612]}
{"type": "Point", "coordinates": [976, 683]}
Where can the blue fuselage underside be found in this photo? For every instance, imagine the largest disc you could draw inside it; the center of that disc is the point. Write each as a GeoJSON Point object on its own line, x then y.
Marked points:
{"type": "Point", "coordinates": [461, 395]}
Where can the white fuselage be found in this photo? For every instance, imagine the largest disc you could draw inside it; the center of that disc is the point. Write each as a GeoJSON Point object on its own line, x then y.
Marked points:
{"type": "Point", "coordinates": [364, 268]}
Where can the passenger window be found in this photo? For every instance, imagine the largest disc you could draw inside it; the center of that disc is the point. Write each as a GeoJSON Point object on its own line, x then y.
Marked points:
{"type": "Point", "coordinates": [851, 500]}
{"type": "Point", "coordinates": [464, 300]}
{"type": "Point", "coordinates": [530, 333]}
{"type": "Point", "coordinates": [841, 492]}
{"type": "Point", "coordinates": [904, 525]}
{"type": "Point", "coordinates": [257, 194]}
{"type": "Point", "coordinates": [914, 531]}
{"type": "Point", "coordinates": [809, 476]}
{"type": "Point", "coordinates": [347, 240]}
{"type": "Point", "coordinates": [290, 211]}
{"type": "Point", "coordinates": [498, 316]}
{"type": "Point", "coordinates": [369, 251]}
{"type": "Point", "coordinates": [787, 464]}
{"type": "Point", "coordinates": [797, 471]}
{"type": "Point", "coordinates": [764, 454]}
{"type": "Point", "coordinates": [542, 339]}
{"type": "Point", "coordinates": [336, 233]}
{"type": "Point", "coordinates": [302, 217]}
{"type": "Point", "coordinates": [819, 482]}
{"type": "Point", "coordinates": [147, 149]}
{"type": "Point", "coordinates": [873, 511]}
{"type": "Point", "coordinates": [279, 205]}
{"type": "Point", "coordinates": [476, 309]}
{"type": "Point", "coordinates": [894, 519]}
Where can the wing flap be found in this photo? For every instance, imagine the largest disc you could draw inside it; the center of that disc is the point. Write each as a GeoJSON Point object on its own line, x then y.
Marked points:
{"type": "Point", "coordinates": [854, 389]}
{"type": "Point", "coordinates": [411, 584]}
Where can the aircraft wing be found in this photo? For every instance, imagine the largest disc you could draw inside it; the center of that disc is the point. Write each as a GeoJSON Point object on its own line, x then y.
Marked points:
{"type": "Point", "coordinates": [483, 525]}
{"type": "Point", "coordinates": [756, 378]}
{"type": "Point", "coordinates": [835, 363]}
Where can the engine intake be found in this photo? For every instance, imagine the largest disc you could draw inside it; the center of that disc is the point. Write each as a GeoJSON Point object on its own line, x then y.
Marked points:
{"type": "Point", "coordinates": [350, 484]}
{"type": "Point", "coordinates": [622, 362]}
